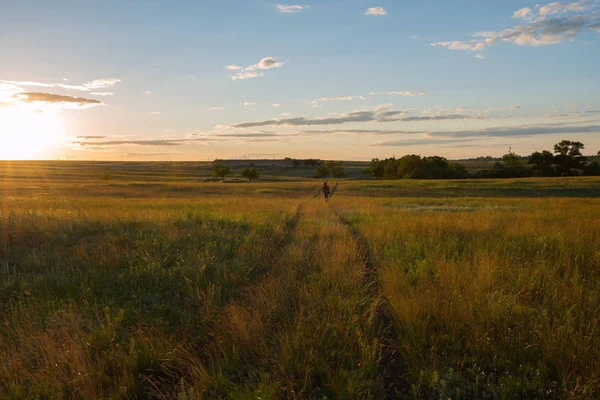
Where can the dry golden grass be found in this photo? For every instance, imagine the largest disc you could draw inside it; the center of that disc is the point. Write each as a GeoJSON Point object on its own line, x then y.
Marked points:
{"type": "Point", "coordinates": [459, 289]}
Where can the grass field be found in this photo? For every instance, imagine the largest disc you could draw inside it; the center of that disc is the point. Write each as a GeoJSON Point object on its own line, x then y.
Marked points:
{"type": "Point", "coordinates": [155, 284]}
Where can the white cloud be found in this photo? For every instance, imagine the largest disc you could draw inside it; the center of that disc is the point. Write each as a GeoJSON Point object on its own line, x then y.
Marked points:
{"type": "Point", "coordinates": [480, 56]}
{"type": "Point", "coordinates": [415, 36]}
{"type": "Point", "coordinates": [233, 67]}
{"type": "Point", "coordinates": [86, 87]}
{"type": "Point", "coordinates": [458, 45]}
{"type": "Point", "coordinates": [250, 103]}
{"type": "Point", "coordinates": [376, 11]}
{"type": "Point", "coordinates": [547, 27]}
{"type": "Point", "coordinates": [275, 105]}
{"type": "Point", "coordinates": [514, 107]}
{"type": "Point", "coordinates": [249, 72]}
{"type": "Point", "coordinates": [247, 75]}
{"type": "Point", "coordinates": [266, 63]}
{"type": "Point", "coordinates": [155, 113]}
{"type": "Point", "coordinates": [558, 7]}
{"type": "Point", "coordinates": [102, 83]}
{"type": "Point", "coordinates": [315, 103]}
{"type": "Point", "coordinates": [148, 92]}
{"type": "Point", "coordinates": [405, 94]}
{"type": "Point", "coordinates": [290, 9]}
{"type": "Point", "coordinates": [219, 108]}
{"type": "Point", "coordinates": [524, 13]}
{"type": "Point", "coordinates": [102, 94]}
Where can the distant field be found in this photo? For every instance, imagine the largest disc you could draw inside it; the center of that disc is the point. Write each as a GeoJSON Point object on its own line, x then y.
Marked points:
{"type": "Point", "coordinates": [192, 171]}
{"type": "Point", "coordinates": [156, 284]}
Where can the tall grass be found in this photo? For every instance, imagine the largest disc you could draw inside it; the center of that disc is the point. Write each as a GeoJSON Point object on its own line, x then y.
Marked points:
{"type": "Point", "coordinates": [160, 289]}
{"type": "Point", "coordinates": [494, 297]}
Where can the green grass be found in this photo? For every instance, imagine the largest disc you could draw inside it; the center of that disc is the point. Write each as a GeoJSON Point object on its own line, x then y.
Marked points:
{"type": "Point", "coordinates": [155, 284]}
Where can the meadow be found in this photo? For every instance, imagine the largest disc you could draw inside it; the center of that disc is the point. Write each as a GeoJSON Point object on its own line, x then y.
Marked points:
{"type": "Point", "coordinates": [155, 283]}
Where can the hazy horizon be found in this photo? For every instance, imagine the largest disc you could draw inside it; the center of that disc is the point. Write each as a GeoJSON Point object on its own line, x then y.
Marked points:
{"type": "Point", "coordinates": [332, 79]}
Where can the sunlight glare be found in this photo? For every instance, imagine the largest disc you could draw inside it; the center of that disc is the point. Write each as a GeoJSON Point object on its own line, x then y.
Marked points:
{"type": "Point", "coordinates": [28, 133]}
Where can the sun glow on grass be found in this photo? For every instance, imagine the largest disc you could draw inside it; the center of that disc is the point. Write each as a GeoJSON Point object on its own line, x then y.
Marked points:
{"type": "Point", "coordinates": [26, 133]}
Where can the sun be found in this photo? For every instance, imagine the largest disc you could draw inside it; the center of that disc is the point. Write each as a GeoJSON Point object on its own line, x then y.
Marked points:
{"type": "Point", "coordinates": [26, 133]}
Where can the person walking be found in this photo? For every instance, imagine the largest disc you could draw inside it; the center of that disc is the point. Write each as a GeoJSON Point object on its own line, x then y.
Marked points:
{"type": "Point", "coordinates": [326, 191]}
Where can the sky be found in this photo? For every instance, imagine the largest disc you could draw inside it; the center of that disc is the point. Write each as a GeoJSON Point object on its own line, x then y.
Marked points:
{"type": "Point", "coordinates": [329, 79]}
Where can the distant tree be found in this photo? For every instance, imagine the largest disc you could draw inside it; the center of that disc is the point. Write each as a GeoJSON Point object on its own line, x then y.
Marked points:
{"type": "Point", "coordinates": [335, 168]}
{"type": "Point", "coordinates": [568, 156]}
{"type": "Point", "coordinates": [376, 168]}
{"type": "Point", "coordinates": [250, 174]}
{"type": "Point", "coordinates": [410, 167]}
{"type": "Point", "coordinates": [512, 160]}
{"type": "Point", "coordinates": [598, 154]}
{"type": "Point", "coordinates": [543, 163]}
{"type": "Point", "coordinates": [310, 162]}
{"type": "Point", "coordinates": [296, 163]}
{"type": "Point", "coordinates": [221, 171]}
{"type": "Point", "coordinates": [322, 171]}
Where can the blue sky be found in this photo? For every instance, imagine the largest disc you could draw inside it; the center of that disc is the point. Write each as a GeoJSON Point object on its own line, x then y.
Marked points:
{"type": "Point", "coordinates": [197, 80]}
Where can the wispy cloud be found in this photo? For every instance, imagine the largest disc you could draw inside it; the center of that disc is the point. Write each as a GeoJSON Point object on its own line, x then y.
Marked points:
{"type": "Point", "coordinates": [359, 132]}
{"type": "Point", "coordinates": [405, 94]}
{"type": "Point", "coordinates": [86, 87]}
{"type": "Point", "coordinates": [421, 142]}
{"type": "Point", "coordinates": [255, 70]}
{"type": "Point", "coordinates": [250, 103]}
{"type": "Point", "coordinates": [290, 9]}
{"type": "Point", "coordinates": [440, 118]}
{"type": "Point", "coordinates": [554, 23]}
{"type": "Point", "coordinates": [518, 131]}
{"type": "Point", "coordinates": [316, 102]}
{"type": "Point", "coordinates": [40, 97]}
{"type": "Point", "coordinates": [152, 143]}
{"type": "Point", "coordinates": [357, 116]}
{"type": "Point", "coordinates": [247, 75]}
{"type": "Point", "coordinates": [275, 105]}
{"type": "Point", "coordinates": [219, 108]}
{"type": "Point", "coordinates": [524, 13]}
{"type": "Point", "coordinates": [376, 11]}
{"type": "Point", "coordinates": [480, 56]}
{"type": "Point", "coordinates": [102, 94]}
{"type": "Point", "coordinates": [148, 93]}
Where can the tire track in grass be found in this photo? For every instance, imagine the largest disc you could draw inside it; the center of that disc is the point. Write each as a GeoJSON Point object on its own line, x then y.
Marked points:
{"type": "Point", "coordinates": [391, 365]}
{"type": "Point", "coordinates": [203, 346]}
{"type": "Point", "coordinates": [307, 330]}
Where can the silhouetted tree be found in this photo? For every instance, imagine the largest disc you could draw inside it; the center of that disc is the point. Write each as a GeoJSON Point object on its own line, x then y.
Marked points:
{"type": "Point", "coordinates": [250, 174]}
{"type": "Point", "coordinates": [512, 160]}
{"type": "Point", "coordinates": [568, 156]}
{"type": "Point", "coordinates": [543, 163]}
{"type": "Point", "coordinates": [221, 171]}
{"type": "Point", "coordinates": [376, 168]}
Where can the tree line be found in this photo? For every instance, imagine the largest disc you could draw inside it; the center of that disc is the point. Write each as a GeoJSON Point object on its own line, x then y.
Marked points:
{"type": "Point", "coordinates": [222, 170]}
{"type": "Point", "coordinates": [566, 160]}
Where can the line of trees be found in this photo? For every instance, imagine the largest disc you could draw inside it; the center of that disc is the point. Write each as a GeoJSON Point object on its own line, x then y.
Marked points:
{"type": "Point", "coordinates": [416, 167]}
{"type": "Point", "coordinates": [333, 169]}
{"type": "Point", "coordinates": [309, 162]}
{"type": "Point", "coordinates": [567, 160]}
{"type": "Point", "coordinates": [222, 170]}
